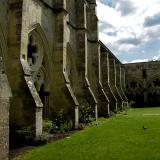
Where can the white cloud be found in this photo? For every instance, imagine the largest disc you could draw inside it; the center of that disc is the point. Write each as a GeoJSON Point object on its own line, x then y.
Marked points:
{"type": "Point", "coordinates": [155, 58]}
{"type": "Point", "coordinates": [124, 23]}
{"type": "Point", "coordinates": [136, 61]}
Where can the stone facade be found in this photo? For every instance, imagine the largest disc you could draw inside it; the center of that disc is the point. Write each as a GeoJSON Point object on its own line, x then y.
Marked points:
{"type": "Point", "coordinates": [55, 63]}
{"type": "Point", "coordinates": [143, 83]}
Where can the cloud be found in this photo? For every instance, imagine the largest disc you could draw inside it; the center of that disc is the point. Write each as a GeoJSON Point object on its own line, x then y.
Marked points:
{"type": "Point", "coordinates": [105, 25]}
{"type": "Point", "coordinates": [110, 3]}
{"type": "Point", "coordinates": [156, 58]}
{"type": "Point", "coordinates": [125, 7]}
{"type": "Point", "coordinates": [153, 32]}
{"type": "Point", "coordinates": [135, 61]}
{"type": "Point", "coordinates": [111, 33]}
{"type": "Point", "coordinates": [152, 20]}
{"type": "Point", "coordinates": [129, 26]}
{"type": "Point", "coordinates": [132, 41]}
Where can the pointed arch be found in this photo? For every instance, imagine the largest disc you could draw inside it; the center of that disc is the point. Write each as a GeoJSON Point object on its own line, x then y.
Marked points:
{"type": "Point", "coordinates": [45, 57]}
{"type": "Point", "coordinates": [38, 32]}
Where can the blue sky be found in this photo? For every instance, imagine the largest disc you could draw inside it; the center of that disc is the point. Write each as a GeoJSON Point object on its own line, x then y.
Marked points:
{"type": "Point", "coordinates": [130, 28]}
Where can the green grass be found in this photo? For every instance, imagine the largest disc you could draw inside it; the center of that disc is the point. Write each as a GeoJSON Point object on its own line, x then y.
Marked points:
{"type": "Point", "coordinates": [118, 138]}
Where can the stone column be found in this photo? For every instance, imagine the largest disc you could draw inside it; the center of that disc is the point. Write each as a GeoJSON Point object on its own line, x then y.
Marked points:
{"type": "Point", "coordinates": [113, 101]}
{"type": "Point", "coordinates": [5, 94]}
{"type": "Point", "coordinates": [103, 77]}
{"type": "Point", "coordinates": [121, 86]}
{"type": "Point", "coordinates": [113, 77]}
{"type": "Point", "coordinates": [118, 84]}
{"type": "Point", "coordinates": [64, 91]}
{"type": "Point", "coordinates": [39, 121]}
{"type": "Point", "coordinates": [76, 117]}
{"type": "Point", "coordinates": [93, 66]}
{"type": "Point", "coordinates": [84, 92]}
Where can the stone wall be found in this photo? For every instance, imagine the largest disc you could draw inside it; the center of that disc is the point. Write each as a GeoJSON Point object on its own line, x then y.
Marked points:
{"type": "Point", "coordinates": [143, 83]}
{"type": "Point", "coordinates": [112, 78]}
{"type": "Point", "coordinates": [5, 95]}
{"type": "Point", "coordinates": [5, 92]}
{"type": "Point", "coordinates": [22, 104]}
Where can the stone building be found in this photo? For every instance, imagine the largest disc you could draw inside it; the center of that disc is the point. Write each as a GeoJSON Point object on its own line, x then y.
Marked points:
{"type": "Point", "coordinates": [52, 61]}
{"type": "Point", "coordinates": [143, 84]}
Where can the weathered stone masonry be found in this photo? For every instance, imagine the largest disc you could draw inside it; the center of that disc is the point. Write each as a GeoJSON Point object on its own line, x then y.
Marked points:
{"type": "Point", "coordinates": [54, 63]}
{"type": "Point", "coordinates": [143, 83]}
{"type": "Point", "coordinates": [5, 92]}
{"type": "Point", "coordinates": [5, 95]}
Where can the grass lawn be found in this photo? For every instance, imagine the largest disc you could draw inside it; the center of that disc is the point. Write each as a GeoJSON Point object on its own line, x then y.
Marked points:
{"type": "Point", "coordinates": [118, 138]}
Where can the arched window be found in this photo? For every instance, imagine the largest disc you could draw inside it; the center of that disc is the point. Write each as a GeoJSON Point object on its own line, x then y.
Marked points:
{"type": "Point", "coordinates": [35, 51]}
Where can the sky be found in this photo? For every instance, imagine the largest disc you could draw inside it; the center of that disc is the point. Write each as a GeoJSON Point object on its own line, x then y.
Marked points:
{"type": "Point", "coordinates": [130, 28]}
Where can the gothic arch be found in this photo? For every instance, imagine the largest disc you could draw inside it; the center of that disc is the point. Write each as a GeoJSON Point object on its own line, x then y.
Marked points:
{"type": "Point", "coordinates": [40, 35]}
{"type": "Point", "coordinates": [43, 63]}
{"type": "Point", "coordinates": [37, 74]}
{"type": "Point", "coordinates": [42, 67]}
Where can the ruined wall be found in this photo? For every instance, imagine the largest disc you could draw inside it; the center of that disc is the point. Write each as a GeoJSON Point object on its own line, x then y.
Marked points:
{"type": "Point", "coordinates": [142, 83]}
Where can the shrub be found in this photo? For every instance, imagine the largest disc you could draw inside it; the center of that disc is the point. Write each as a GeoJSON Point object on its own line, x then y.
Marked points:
{"type": "Point", "coordinates": [60, 123]}
{"type": "Point", "coordinates": [112, 113]}
{"type": "Point", "coordinates": [67, 126]}
{"type": "Point", "coordinates": [42, 139]}
{"type": "Point", "coordinates": [47, 125]}
{"type": "Point", "coordinates": [23, 136]}
{"type": "Point", "coordinates": [86, 114]}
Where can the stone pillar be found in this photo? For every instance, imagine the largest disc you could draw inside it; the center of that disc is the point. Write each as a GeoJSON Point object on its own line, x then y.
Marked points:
{"type": "Point", "coordinates": [118, 84]}
{"type": "Point", "coordinates": [113, 102]}
{"type": "Point", "coordinates": [76, 117]}
{"type": "Point", "coordinates": [108, 86]}
{"type": "Point", "coordinates": [84, 92]}
{"type": "Point", "coordinates": [113, 77]}
{"type": "Point", "coordinates": [64, 71]}
{"type": "Point", "coordinates": [96, 112]}
{"type": "Point", "coordinates": [103, 76]}
{"type": "Point", "coordinates": [93, 61]}
{"type": "Point", "coordinates": [38, 106]}
{"type": "Point", "coordinates": [5, 94]}
{"type": "Point", "coordinates": [38, 121]}
{"type": "Point", "coordinates": [121, 85]}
